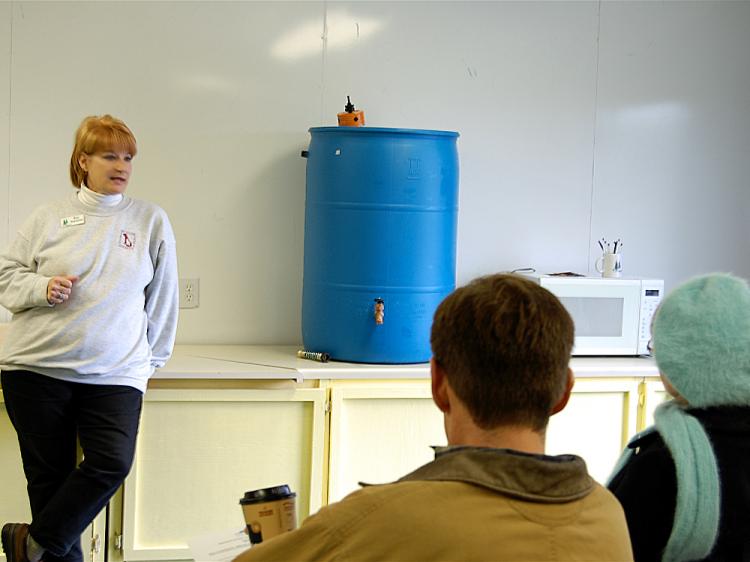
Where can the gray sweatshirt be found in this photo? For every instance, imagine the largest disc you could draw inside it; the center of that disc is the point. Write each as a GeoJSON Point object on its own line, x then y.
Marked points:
{"type": "Point", "coordinates": [120, 321]}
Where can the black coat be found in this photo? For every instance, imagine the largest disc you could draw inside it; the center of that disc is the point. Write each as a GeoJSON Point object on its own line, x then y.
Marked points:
{"type": "Point", "coordinates": [647, 487]}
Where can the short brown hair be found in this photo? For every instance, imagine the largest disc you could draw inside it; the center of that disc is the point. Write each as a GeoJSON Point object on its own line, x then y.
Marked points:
{"type": "Point", "coordinates": [96, 134]}
{"type": "Point", "coordinates": [504, 343]}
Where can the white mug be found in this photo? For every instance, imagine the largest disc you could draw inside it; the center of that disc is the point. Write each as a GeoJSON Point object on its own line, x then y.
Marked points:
{"type": "Point", "coordinates": [609, 265]}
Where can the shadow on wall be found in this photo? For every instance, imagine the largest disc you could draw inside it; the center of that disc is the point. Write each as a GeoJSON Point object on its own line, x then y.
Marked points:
{"type": "Point", "coordinates": [247, 250]}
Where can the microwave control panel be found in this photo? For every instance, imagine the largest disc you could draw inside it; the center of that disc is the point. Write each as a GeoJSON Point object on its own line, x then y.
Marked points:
{"type": "Point", "coordinates": [652, 292]}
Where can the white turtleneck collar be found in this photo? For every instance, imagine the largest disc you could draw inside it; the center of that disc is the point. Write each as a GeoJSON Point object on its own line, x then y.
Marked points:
{"type": "Point", "coordinates": [94, 199]}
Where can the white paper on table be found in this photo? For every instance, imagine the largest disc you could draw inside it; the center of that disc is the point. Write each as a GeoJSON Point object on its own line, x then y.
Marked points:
{"type": "Point", "coordinates": [222, 546]}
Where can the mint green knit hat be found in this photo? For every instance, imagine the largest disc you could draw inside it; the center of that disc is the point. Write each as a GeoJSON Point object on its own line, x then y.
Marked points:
{"type": "Point", "coordinates": [701, 339]}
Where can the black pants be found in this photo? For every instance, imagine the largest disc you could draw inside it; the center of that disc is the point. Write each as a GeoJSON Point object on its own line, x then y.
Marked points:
{"type": "Point", "coordinates": [48, 415]}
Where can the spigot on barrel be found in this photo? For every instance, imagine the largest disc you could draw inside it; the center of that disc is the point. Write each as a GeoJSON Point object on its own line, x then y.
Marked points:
{"type": "Point", "coordinates": [379, 311]}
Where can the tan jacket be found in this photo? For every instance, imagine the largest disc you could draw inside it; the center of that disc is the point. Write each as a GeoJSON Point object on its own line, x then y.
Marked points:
{"type": "Point", "coordinates": [468, 504]}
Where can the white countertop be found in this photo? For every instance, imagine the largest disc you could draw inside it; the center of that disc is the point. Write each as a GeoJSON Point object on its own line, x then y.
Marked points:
{"type": "Point", "coordinates": [281, 362]}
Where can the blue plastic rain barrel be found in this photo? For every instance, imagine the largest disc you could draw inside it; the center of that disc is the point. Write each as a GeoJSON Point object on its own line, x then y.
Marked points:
{"type": "Point", "coordinates": [380, 241]}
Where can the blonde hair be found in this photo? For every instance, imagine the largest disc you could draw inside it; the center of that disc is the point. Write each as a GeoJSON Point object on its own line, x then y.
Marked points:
{"type": "Point", "coordinates": [95, 134]}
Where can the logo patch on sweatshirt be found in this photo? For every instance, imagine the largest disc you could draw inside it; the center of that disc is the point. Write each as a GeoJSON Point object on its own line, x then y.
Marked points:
{"type": "Point", "coordinates": [127, 239]}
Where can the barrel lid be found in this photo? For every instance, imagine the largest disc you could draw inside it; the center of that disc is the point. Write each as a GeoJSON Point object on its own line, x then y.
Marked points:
{"type": "Point", "coordinates": [382, 131]}
{"type": "Point", "coordinates": [267, 494]}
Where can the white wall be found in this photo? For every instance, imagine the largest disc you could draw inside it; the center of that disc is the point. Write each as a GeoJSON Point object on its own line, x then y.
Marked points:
{"type": "Point", "coordinates": [5, 42]}
{"type": "Point", "coordinates": [672, 156]}
{"type": "Point", "coordinates": [578, 120]}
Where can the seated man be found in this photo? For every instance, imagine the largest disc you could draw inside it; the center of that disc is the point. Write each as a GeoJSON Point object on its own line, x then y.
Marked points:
{"type": "Point", "coordinates": [501, 347]}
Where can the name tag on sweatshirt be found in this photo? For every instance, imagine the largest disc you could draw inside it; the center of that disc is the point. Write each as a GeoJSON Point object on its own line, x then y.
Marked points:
{"type": "Point", "coordinates": [75, 220]}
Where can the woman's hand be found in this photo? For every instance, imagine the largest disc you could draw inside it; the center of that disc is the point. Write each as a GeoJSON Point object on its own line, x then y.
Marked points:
{"type": "Point", "coordinates": [59, 288]}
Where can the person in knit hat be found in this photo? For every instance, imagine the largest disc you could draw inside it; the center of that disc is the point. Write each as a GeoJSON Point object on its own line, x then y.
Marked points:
{"type": "Point", "coordinates": [685, 482]}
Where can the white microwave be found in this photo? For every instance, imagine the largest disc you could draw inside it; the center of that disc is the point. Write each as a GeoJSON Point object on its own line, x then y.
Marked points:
{"type": "Point", "coordinates": [612, 316]}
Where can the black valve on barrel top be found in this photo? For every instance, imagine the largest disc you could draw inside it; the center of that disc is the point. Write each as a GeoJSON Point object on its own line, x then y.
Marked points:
{"type": "Point", "coordinates": [350, 116]}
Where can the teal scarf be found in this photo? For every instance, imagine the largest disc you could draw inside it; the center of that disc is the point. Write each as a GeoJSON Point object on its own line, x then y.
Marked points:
{"type": "Point", "coordinates": [696, 518]}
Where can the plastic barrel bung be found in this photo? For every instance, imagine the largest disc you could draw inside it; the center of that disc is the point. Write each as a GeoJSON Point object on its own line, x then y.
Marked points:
{"type": "Point", "coordinates": [351, 117]}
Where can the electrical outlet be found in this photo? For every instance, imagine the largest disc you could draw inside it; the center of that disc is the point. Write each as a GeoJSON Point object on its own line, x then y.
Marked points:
{"type": "Point", "coordinates": [189, 293]}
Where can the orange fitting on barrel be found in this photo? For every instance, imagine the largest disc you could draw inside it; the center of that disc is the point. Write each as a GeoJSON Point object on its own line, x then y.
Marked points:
{"type": "Point", "coordinates": [379, 311]}
{"type": "Point", "coordinates": [353, 119]}
{"type": "Point", "coordinates": [350, 117]}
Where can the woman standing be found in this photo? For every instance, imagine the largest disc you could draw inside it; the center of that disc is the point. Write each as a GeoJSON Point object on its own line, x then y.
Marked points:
{"type": "Point", "coordinates": [91, 281]}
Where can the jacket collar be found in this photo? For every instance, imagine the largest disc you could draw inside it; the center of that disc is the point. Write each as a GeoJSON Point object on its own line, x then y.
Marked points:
{"type": "Point", "coordinates": [724, 418]}
{"type": "Point", "coordinates": [538, 478]}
